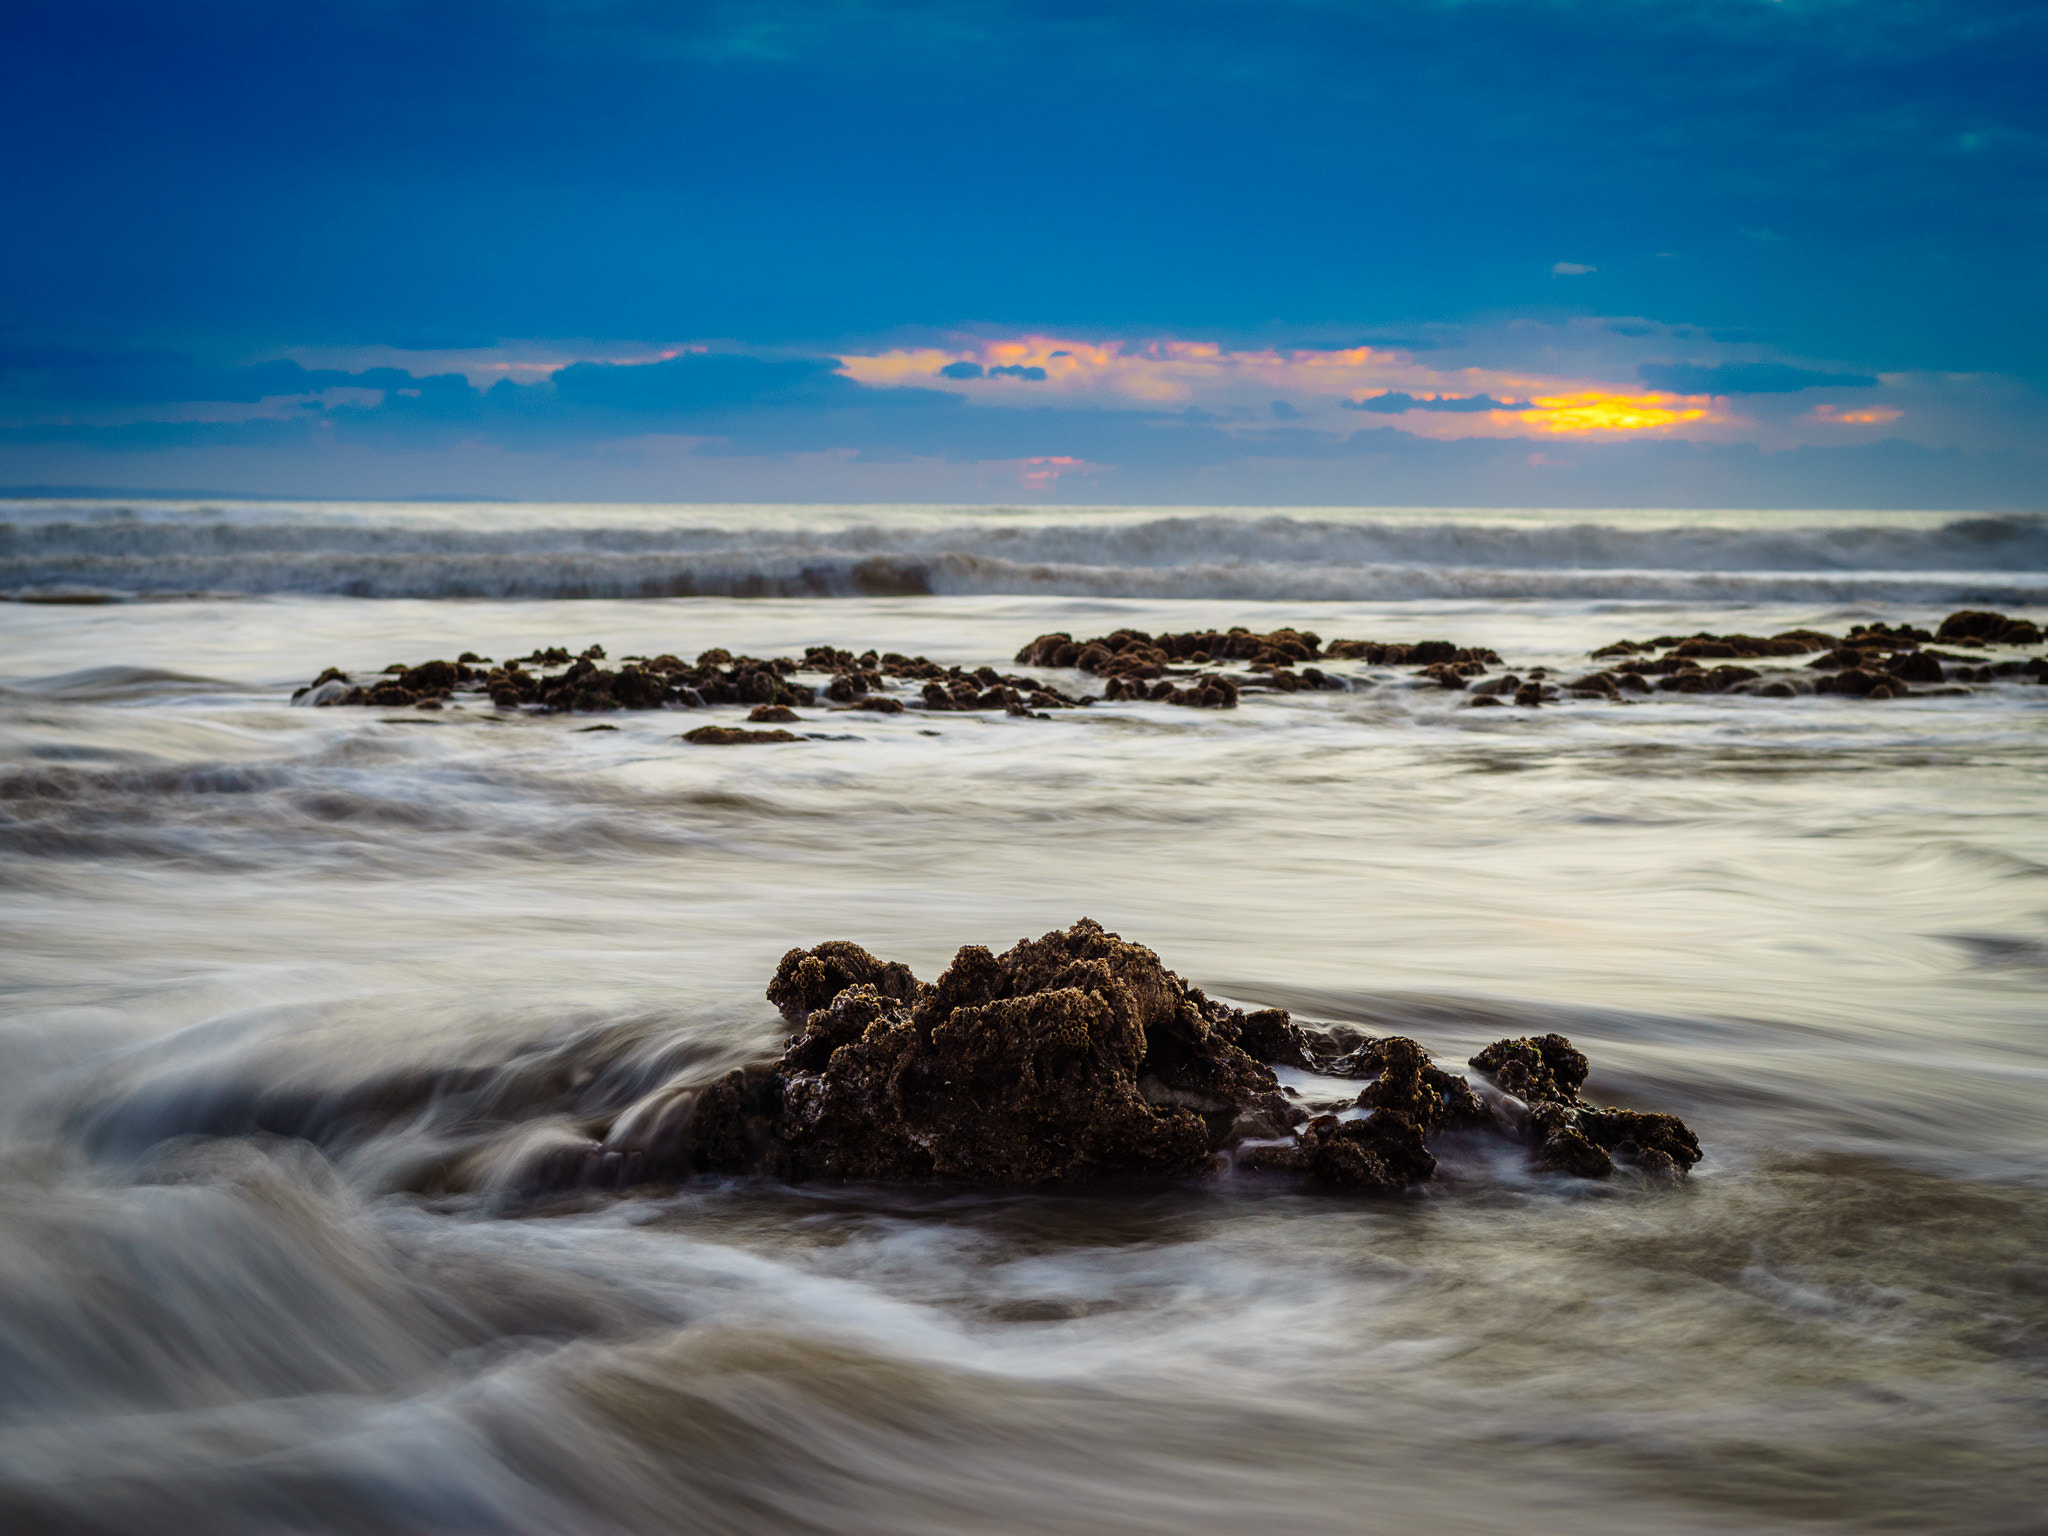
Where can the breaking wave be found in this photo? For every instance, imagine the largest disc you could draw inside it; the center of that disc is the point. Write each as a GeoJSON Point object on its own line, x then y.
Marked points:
{"type": "Point", "coordinates": [1992, 560]}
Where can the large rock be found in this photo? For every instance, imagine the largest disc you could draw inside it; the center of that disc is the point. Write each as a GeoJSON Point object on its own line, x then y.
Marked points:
{"type": "Point", "coordinates": [1065, 1059]}
{"type": "Point", "coordinates": [1570, 1135]}
{"type": "Point", "coordinates": [1985, 628]}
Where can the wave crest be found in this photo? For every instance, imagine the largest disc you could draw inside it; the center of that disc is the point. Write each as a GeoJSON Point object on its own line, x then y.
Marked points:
{"type": "Point", "coordinates": [1989, 560]}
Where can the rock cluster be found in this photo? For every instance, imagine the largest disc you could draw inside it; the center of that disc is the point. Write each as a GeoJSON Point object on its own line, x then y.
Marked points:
{"type": "Point", "coordinates": [1972, 626]}
{"type": "Point", "coordinates": [581, 683]}
{"type": "Point", "coordinates": [1141, 666]}
{"type": "Point", "coordinates": [552, 681]}
{"type": "Point", "coordinates": [1210, 669]}
{"type": "Point", "coordinates": [1079, 1056]}
{"type": "Point", "coordinates": [1571, 1135]}
{"type": "Point", "coordinates": [1873, 661]}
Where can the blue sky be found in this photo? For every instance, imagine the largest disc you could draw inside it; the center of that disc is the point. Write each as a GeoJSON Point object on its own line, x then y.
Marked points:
{"type": "Point", "coordinates": [1749, 252]}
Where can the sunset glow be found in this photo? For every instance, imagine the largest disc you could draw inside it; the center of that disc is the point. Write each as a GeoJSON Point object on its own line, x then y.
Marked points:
{"type": "Point", "coordinates": [1595, 412]}
{"type": "Point", "coordinates": [1172, 372]}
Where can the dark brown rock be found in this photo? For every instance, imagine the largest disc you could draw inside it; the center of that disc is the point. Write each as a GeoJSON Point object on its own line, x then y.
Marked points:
{"type": "Point", "coordinates": [1541, 1070]}
{"type": "Point", "coordinates": [1986, 628]}
{"type": "Point", "coordinates": [1915, 667]}
{"type": "Point", "coordinates": [733, 736]}
{"type": "Point", "coordinates": [1067, 1058]}
{"type": "Point", "coordinates": [1858, 681]}
{"type": "Point", "coordinates": [1570, 1135]}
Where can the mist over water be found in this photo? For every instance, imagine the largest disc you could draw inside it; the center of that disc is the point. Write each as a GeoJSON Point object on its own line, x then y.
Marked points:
{"type": "Point", "coordinates": [290, 990]}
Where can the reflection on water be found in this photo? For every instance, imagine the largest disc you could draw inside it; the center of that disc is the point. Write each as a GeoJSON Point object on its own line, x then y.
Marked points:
{"type": "Point", "coordinates": [284, 986]}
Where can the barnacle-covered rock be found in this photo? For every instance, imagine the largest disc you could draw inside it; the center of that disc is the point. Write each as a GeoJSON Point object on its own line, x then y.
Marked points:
{"type": "Point", "coordinates": [1570, 1135]}
{"type": "Point", "coordinates": [1067, 1058]}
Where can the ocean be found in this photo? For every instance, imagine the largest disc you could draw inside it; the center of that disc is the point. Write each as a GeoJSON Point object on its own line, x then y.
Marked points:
{"type": "Point", "coordinates": [272, 970]}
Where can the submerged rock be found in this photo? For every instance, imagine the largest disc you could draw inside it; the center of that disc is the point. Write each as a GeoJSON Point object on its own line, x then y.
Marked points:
{"type": "Point", "coordinates": [1568, 1134]}
{"type": "Point", "coordinates": [734, 736]}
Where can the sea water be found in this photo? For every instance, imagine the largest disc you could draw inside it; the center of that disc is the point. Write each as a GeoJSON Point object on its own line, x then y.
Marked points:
{"type": "Point", "coordinates": [231, 930]}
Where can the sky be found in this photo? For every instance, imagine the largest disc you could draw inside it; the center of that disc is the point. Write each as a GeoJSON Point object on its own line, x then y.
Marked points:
{"type": "Point", "coordinates": [1751, 253]}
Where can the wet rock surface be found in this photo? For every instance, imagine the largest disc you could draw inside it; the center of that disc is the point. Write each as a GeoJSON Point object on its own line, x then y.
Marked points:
{"type": "Point", "coordinates": [1077, 1057]}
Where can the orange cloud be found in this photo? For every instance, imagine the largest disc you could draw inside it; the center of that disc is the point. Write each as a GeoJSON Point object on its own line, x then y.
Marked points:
{"type": "Point", "coordinates": [1044, 471]}
{"type": "Point", "coordinates": [1862, 416]}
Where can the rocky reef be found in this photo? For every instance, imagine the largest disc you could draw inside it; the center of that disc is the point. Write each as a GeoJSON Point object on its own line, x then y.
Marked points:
{"type": "Point", "coordinates": [1209, 669]}
{"type": "Point", "coordinates": [1871, 661]}
{"type": "Point", "coordinates": [1137, 665]}
{"type": "Point", "coordinates": [1076, 1057]}
{"type": "Point", "coordinates": [552, 681]}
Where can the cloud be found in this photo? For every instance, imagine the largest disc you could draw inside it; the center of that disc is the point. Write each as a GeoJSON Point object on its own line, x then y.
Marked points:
{"type": "Point", "coordinates": [1571, 269]}
{"type": "Point", "coordinates": [69, 376]}
{"type": "Point", "coordinates": [968, 369]}
{"type": "Point", "coordinates": [1394, 403]}
{"type": "Point", "coordinates": [1745, 378]}
{"type": "Point", "coordinates": [1863, 416]}
{"type": "Point", "coordinates": [695, 382]}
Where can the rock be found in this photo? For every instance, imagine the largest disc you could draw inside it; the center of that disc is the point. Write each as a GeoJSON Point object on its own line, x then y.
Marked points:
{"type": "Point", "coordinates": [1570, 1135]}
{"type": "Point", "coordinates": [1721, 679]}
{"type": "Point", "coordinates": [1409, 1100]}
{"type": "Point", "coordinates": [330, 690]}
{"type": "Point", "coordinates": [773, 714]}
{"type": "Point", "coordinates": [1068, 1058]}
{"type": "Point", "coordinates": [733, 736]}
{"type": "Point", "coordinates": [1134, 653]}
{"type": "Point", "coordinates": [808, 979]}
{"type": "Point", "coordinates": [1540, 1070]}
{"type": "Point", "coordinates": [1427, 1095]}
{"type": "Point", "coordinates": [1858, 681]}
{"type": "Point", "coordinates": [1269, 1035]}
{"type": "Point", "coordinates": [1210, 693]}
{"type": "Point", "coordinates": [1707, 647]}
{"type": "Point", "coordinates": [1381, 1152]}
{"type": "Point", "coordinates": [1988, 628]}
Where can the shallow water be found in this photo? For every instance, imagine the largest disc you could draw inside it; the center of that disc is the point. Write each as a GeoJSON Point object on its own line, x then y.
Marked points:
{"type": "Point", "coordinates": [263, 965]}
